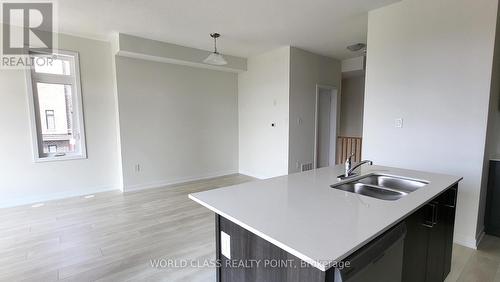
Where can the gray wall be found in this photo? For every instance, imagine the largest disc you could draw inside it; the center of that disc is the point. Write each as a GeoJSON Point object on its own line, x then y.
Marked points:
{"type": "Point", "coordinates": [138, 47]}
{"type": "Point", "coordinates": [327, 111]}
{"type": "Point", "coordinates": [306, 71]}
{"type": "Point", "coordinates": [430, 63]}
{"type": "Point", "coordinates": [24, 181]}
{"type": "Point", "coordinates": [178, 122]}
{"type": "Point", "coordinates": [493, 134]}
{"type": "Point", "coordinates": [351, 112]}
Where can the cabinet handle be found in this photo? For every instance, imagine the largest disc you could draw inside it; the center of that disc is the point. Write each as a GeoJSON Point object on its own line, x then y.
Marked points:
{"type": "Point", "coordinates": [427, 225]}
{"type": "Point", "coordinates": [434, 214]}
{"type": "Point", "coordinates": [430, 223]}
{"type": "Point", "coordinates": [454, 204]}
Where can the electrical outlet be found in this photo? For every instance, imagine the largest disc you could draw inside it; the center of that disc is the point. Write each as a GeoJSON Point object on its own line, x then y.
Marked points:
{"type": "Point", "coordinates": [398, 123]}
{"type": "Point", "coordinates": [137, 168]}
{"type": "Point", "coordinates": [225, 244]}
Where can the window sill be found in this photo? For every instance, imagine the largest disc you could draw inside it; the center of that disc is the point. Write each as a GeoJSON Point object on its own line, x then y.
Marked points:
{"type": "Point", "coordinates": [61, 158]}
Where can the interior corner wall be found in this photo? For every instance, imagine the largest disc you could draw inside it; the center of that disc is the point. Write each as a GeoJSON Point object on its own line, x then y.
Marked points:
{"type": "Point", "coordinates": [307, 70]}
{"type": "Point", "coordinates": [177, 123]}
{"type": "Point", "coordinates": [351, 113]}
{"type": "Point", "coordinates": [263, 98]}
{"type": "Point", "coordinates": [25, 181]}
{"type": "Point", "coordinates": [429, 62]}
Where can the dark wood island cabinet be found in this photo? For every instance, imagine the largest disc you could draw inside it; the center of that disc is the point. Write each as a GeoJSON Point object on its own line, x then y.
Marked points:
{"type": "Point", "coordinates": [429, 241]}
{"type": "Point", "coordinates": [426, 254]}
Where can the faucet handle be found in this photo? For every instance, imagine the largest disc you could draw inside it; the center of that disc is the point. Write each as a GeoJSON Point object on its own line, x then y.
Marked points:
{"type": "Point", "coordinates": [349, 159]}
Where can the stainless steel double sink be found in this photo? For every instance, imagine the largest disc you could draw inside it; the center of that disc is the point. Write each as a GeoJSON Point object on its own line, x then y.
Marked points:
{"type": "Point", "coordinates": [380, 186]}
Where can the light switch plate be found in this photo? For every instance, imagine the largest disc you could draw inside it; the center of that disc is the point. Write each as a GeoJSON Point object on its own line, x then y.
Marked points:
{"type": "Point", "coordinates": [398, 123]}
{"type": "Point", "coordinates": [225, 244]}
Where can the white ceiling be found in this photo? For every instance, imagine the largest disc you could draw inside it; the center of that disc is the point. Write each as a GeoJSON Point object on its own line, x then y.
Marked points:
{"type": "Point", "coordinates": [248, 27]}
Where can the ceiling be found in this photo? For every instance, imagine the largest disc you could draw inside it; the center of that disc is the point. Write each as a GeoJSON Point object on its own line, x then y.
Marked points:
{"type": "Point", "coordinates": [248, 27]}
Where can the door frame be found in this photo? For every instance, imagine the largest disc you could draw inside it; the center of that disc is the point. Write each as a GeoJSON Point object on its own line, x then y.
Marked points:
{"type": "Point", "coordinates": [333, 145]}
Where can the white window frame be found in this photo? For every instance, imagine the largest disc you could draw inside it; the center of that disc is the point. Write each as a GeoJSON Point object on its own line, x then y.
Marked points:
{"type": "Point", "coordinates": [47, 119]}
{"type": "Point", "coordinates": [34, 113]}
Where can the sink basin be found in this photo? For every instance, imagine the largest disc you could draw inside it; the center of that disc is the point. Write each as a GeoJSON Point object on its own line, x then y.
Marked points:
{"type": "Point", "coordinates": [371, 191]}
{"type": "Point", "coordinates": [393, 182]}
{"type": "Point", "coordinates": [384, 187]}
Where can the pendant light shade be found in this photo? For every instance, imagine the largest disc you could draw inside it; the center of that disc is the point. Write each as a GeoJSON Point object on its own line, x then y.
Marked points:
{"type": "Point", "coordinates": [215, 58]}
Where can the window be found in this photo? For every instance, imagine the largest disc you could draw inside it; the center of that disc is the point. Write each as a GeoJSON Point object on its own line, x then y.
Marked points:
{"type": "Point", "coordinates": [50, 120]}
{"type": "Point", "coordinates": [56, 107]}
{"type": "Point", "coordinates": [52, 148]}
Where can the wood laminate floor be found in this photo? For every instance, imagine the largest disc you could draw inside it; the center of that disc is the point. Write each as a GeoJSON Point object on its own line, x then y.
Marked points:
{"type": "Point", "coordinates": [115, 237]}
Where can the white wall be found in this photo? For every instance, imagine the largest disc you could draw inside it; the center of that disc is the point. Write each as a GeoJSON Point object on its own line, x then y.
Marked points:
{"type": "Point", "coordinates": [263, 95]}
{"type": "Point", "coordinates": [24, 181]}
{"type": "Point", "coordinates": [306, 71]}
{"type": "Point", "coordinates": [178, 123]}
{"type": "Point", "coordinates": [351, 113]}
{"type": "Point", "coordinates": [429, 62]}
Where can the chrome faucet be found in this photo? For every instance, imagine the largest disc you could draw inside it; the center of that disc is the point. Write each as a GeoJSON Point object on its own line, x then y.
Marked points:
{"type": "Point", "coordinates": [349, 169]}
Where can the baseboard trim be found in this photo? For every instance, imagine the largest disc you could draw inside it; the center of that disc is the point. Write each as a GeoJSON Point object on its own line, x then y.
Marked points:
{"type": "Point", "coordinates": [480, 237]}
{"type": "Point", "coordinates": [468, 241]}
{"type": "Point", "coordinates": [172, 182]}
{"type": "Point", "coordinates": [55, 196]}
{"type": "Point", "coordinates": [58, 196]}
{"type": "Point", "coordinates": [259, 176]}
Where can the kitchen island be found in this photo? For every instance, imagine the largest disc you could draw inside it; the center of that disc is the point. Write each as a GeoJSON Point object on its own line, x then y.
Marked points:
{"type": "Point", "coordinates": [306, 228]}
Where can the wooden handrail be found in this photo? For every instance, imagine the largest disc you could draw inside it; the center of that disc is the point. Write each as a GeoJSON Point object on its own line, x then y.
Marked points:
{"type": "Point", "coordinates": [347, 146]}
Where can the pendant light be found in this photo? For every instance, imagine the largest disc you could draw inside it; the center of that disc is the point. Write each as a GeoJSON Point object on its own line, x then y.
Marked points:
{"type": "Point", "coordinates": [215, 58]}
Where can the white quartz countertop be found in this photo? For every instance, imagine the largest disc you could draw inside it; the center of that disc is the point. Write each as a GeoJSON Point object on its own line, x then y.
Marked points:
{"type": "Point", "coordinates": [303, 215]}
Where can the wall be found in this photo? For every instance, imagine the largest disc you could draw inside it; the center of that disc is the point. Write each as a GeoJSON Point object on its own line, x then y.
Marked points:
{"type": "Point", "coordinates": [326, 117]}
{"type": "Point", "coordinates": [351, 112]}
{"type": "Point", "coordinates": [353, 66]}
{"type": "Point", "coordinates": [429, 62]}
{"type": "Point", "coordinates": [306, 71]}
{"type": "Point", "coordinates": [24, 181]}
{"type": "Point", "coordinates": [492, 148]}
{"type": "Point", "coordinates": [143, 48]}
{"type": "Point", "coordinates": [178, 123]}
{"type": "Point", "coordinates": [263, 97]}
{"type": "Point", "coordinates": [494, 114]}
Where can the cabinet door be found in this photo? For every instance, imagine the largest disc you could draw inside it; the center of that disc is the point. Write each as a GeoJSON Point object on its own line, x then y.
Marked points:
{"type": "Point", "coordinates": [441, 236]}
{"type": "Point", "coordinates": [492, 216]}
{"type": "Point", "coordinates": [437, 244]}
{"type": "Point", "coordinates": [448, 217]}
{"type": "Point", "coordinates": [415, 249]}
{"type": "Point", "coordinates": [429, 241]}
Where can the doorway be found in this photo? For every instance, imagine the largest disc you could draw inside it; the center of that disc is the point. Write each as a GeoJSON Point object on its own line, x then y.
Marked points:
{"type": "Point", "coordinates": [326, 126]}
